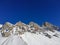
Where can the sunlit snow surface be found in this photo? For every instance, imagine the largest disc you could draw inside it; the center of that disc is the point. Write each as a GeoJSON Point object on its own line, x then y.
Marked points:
{"type": "Point", "coordinates": [39, 39]}
{"type": "Point", "coordinates": [29, 39]}
{"type": "Point", "coordinates": [12, 40]}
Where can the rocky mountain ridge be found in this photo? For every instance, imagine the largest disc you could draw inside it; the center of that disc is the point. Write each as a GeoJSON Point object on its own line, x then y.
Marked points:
{"type": "Point", "coordinates": [20, 27]}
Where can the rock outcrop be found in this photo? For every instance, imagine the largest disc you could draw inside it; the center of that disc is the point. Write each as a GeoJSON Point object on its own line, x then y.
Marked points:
{"type": "Point", "coordinates": [20, 27]}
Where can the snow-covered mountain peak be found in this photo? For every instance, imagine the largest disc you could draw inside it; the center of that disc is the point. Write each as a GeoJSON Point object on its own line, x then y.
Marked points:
{"type": "Point", "coordinates": [29, 34]}
{"type": "Point", "coordinates": [20, 23]}
{"type": "Point", "coordinates": [8, 24]}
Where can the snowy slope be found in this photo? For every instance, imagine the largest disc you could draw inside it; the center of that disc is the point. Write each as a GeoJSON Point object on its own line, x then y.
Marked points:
{"type": "Point", "coordinates": [12, 40]}
{"type": "Point", "coordinates": [38, 39]}
{"type": "Point", "coordinates": [30, 35]}
{"type": "Point", "coordinates": [29, 39]}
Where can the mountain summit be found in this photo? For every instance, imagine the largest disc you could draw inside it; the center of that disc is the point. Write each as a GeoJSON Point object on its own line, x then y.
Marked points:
{"type": "Point", "coordinates": [31, 33]}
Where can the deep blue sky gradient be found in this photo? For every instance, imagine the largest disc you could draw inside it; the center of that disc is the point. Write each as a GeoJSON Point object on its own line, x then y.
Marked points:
{"type": "Point", "coordinates": [38, 11]}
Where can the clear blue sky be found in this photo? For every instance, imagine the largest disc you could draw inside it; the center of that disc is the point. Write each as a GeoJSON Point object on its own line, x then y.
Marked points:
{"type": "Point", "coordinates": [38, 11]}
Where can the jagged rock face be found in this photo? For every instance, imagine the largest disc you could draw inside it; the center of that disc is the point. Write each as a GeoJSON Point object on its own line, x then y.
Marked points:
{"type": "Point", "coordinates": [20, 24]}
{"type": "Point", "coordinates": [20, 28]}
{"type": "Point", "coordinates": [36, 26]}
{"type": "Point", "coordinates": [47, 24]}
{"type": "Point", "coordinates": [6, 34]}
{"type": "Point", "coordinates": [7, 27]}
{"type": "Point", "coordinates": [50, 26]}
{"type": "Point", "coordinates": [33, 27]}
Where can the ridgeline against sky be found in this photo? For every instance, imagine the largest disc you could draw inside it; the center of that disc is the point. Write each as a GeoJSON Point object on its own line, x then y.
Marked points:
{"type": "Point", "coordinates": [38, 11]}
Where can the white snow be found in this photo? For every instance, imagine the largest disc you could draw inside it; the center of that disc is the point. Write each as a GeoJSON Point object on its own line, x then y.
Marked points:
{"type": "Point", "coordinates": [12, 40]}
{"type": "Point", "coordinates": [29, 39]}
{"type": "Point", "coordinates": [0, 25]}
{"type": "Point", "coordinates": [34, 39]}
